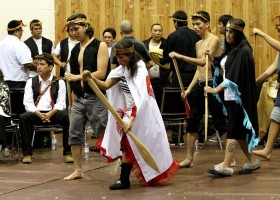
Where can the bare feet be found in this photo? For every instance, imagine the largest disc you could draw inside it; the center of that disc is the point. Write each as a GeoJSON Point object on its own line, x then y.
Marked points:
{"type": "Point", "coordinates": [262, 154]}
{"type": "Point", "coordinates": [186, 163]}
{"type": "Point", "coordinates": [232, 164]}
{"type": "Point", "coordinates": [75, 175]}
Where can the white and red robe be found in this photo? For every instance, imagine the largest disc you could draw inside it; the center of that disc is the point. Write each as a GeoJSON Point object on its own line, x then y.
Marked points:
{"type": "Point", "coordinates": [148, 127]}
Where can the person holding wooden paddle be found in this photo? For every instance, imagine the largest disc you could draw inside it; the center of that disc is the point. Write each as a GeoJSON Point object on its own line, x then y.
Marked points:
{"type": "Point", "coordinates": [239, 88]}
{"type": "Point", "coordinates": [130, 93]}
{"type": "Point", "coordinates": [195, 91]}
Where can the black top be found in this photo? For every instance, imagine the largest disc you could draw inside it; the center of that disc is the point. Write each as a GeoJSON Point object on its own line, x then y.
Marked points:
{"type": "Point", "coordinates": [46, 46]}
{"type": "Point", "coordinates": [90, 64]}
{"type": "Point", "coordinates": [182, 41]}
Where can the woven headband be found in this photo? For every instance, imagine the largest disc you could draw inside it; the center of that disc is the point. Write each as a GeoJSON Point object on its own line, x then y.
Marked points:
{"type": "Point", "coordinates": [180, 20]}
{"type": "Point", "coordinates": [35, 24]}
{"type": "Point", "coordinates": [200, 16]}
{"type": "Point", "coordinates": [233, 26]}
{"type": "Point", "coordinates": [123, 51]}
{"type": "Point", "coordinates": [75, 21]}
{"type": "Point", "coordinates": [43, 57]}
{"type": "Point", "coordinates": [18, 27]}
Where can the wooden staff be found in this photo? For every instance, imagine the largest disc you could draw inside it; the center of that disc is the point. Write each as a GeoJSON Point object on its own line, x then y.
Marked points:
{"type": "Point", "coordinates": [206, 101]}
{"type": "Point", "coordinates": [69, 97]}
{"type": "Point", "coordinates": [144, 152]}
{"type": "Point", "coordinates": [187, 106]}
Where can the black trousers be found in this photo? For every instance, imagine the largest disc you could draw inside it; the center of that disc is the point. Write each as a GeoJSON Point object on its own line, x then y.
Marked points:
{"type": "Point", "coordinates": [27, 121]}
{"type": "Point", "coordinates": [4, 121]}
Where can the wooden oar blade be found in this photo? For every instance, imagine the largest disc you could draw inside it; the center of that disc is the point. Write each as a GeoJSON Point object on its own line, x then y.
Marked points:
{"type": "Point", "coordinates": [144, 152]}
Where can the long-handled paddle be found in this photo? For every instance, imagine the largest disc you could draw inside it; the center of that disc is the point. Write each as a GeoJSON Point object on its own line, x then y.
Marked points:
{"type": "Point", "coordinates": [145, 153]}
{"type": "Point", "coordinates": [187, 106]}
{"type": "Point", "coordinates": [206, 101]}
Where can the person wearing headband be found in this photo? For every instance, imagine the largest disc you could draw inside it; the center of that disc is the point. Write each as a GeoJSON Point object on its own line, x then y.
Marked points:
{"type": "Point", "coordinates": [182, 41]}
{"type": "Point", "coordinates": [239, 88]}
{"type": "Point", "coordinates": [129, 91]}
{"type": "Point", "coordinates": [88, 54]}
{"type": "Point", "coordinates": [15, 57]}
{"type": "Point", "coordinates": [37, 43]}
{"type": "Point", "coordinates": [44, 101]}
{"type": "Point", "coordinates": [195, 92]}
{"type": "Point", "coordinates": [274, 126]}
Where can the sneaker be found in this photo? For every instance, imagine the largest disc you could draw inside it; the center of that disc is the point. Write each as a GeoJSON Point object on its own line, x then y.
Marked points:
{"type": "Point", "coordinates": [26, 159]}
{"type": "Point", "coordinates": [6, 152]}
{"type": "Point", "coordinates": [68, 159]}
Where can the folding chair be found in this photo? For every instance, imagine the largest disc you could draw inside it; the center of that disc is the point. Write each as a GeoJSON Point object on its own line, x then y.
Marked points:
{"type": "Point", "coordinates": [173, 109]}
{"type": "Point", "coordinates": [16, 108]}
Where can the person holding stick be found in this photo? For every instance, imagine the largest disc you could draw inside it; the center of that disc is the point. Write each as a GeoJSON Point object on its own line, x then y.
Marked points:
{"type": "Point", "coordinates": [274, 126]}
{"type": "Point", "coordinates": [129, 91]}
{"type": "Point", "coordinates": [92, 55]}
{"type": "Point", "coordinates": [195, 92]}
{"type": "Point", "coordinates": [240, 96]}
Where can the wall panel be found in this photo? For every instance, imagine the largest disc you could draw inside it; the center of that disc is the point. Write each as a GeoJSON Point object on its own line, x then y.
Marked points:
{"type": "Point", "coordinates": [143, 13]}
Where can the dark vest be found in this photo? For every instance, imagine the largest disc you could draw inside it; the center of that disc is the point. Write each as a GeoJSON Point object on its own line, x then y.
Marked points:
{"type": "Point", "coordinates": [64, 51]}
{"type": "Point", "coordinates": [90, 64]}
{"type": "Point", "coordinates": [53, 91]}
{"type": "Point", "coordinates": [46, 46]}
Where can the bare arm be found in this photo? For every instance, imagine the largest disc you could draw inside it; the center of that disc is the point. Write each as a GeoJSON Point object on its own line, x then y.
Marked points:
{"type": "Point", "coordinates": [104, 85]}
{"type": "Point", "coordinates": [102, 61]}
{"type": "Point", "coordinates": [213, 48]}
{"type": "Point", "coordinates": [268, 72]}
{"type": "Point", "coordinates": [271, 41]}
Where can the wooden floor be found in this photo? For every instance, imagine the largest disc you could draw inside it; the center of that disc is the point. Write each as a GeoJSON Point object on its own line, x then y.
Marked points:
{"type": "Point", "coordinates": [42, 180]}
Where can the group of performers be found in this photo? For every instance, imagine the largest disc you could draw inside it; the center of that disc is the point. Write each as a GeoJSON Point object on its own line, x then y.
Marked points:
{"type": "Point", "coordinates": [129, 91]}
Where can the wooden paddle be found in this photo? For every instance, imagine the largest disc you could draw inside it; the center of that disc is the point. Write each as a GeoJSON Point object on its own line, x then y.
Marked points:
{"type": "Point", "coordinates": [145, 153]}
{"type": "Point", "coordinates": [69, 97]}
{"type": "Point", "coordinates": [206, 101]}
{"type": "Point", "coordinates": [187, 106]}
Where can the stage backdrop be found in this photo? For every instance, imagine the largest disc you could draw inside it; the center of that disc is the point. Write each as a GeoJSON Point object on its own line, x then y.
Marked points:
{"type": "Point", "coordinates": [143, 13]}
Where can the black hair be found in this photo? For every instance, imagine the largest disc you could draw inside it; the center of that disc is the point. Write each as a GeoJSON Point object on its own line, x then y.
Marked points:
{"type": "Point", "coordinates": [90, 30]}
{"type": "Point", "coordinates": [205, 16]}
{"type": "Point", "coordinates": [155, 25]}
{"type": "Point", "coordinates": [124, 44]}
{"type": "Point", "coordinates": [110, 30]}
{"type": "Point", "coordinates": [224, 19]}
{"type": "Point", "coordinates": [239, 37]}
{"type": "Point", "coordinates": [1, 76]}
{"type": "Point", "coordinates": [181, 15]}
{"type": "Point", "coordinates": [13, 24]}
{"type": "Point", "coordinates": [46, 57]}
{"type": "Point", "coordinates": [33, 21]}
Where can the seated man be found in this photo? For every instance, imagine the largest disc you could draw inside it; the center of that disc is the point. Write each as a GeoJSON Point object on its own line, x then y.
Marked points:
{"type": "Point", "coordinates": [44, 101]}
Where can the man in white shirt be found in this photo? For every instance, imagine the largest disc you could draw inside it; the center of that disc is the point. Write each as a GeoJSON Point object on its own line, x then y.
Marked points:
{"type": "Point", "coordinates": [44, 101]}
{"type": "Point", "coordinates": [62, 52]}
{"type": "Point", "coordinates": [15, 57]}
{"type": "Point", "coordinates": [36, 43]}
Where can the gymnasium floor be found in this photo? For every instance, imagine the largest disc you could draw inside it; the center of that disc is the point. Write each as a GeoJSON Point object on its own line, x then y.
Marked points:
{"type": "Point", "coordinates": [42, 180]}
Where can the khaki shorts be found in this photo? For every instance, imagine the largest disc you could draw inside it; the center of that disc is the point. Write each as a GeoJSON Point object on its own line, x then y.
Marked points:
{"type": "Point", "coordinates": [275, 114]}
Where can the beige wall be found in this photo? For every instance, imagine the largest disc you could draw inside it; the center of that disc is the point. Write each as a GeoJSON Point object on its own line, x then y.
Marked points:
{"type": "Point", "coordinates": [28, 10]}
{"type": "Point", "coordinates": [143, 13]}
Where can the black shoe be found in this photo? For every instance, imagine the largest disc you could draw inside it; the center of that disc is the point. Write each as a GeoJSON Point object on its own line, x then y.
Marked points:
{"type": "Point", "coordinates": [174, 142]}
{"type": "Point", "coordinates": [94, 149]}
{"type": "Point", "coordinates": [120, 185]}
